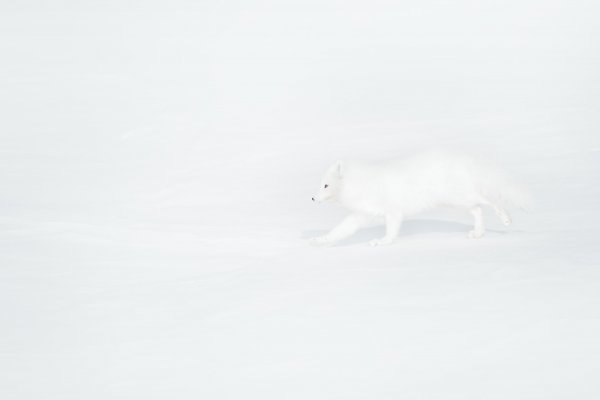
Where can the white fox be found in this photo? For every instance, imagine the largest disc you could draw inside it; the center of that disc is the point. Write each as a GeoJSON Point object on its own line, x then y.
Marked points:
{"type": "Point", "coordinates": [398, 189]}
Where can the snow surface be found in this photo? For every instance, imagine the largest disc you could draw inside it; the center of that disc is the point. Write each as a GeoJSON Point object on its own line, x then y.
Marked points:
{"type": "Point", "coordinates": [157, 161]}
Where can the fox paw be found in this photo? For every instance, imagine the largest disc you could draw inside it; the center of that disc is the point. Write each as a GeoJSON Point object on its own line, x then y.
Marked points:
{"type": "Point", "coordinates": [320, 241]}
{"type": "Point", "coordinates": [475, 235]}
{"type": "Point", "coordinates": [380, 242]}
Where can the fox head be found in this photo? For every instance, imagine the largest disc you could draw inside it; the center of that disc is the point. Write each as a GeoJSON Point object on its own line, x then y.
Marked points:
{"type": "Point", "coordinates": [330, 184]}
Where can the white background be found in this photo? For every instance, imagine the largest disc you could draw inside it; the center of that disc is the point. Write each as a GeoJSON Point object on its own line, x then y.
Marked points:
{"type": "Point", "coordinates": [157, 161]}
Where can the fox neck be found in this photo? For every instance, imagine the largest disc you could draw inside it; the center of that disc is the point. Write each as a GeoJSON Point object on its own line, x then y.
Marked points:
{"type": "Point", "coordinates": [360, 198]}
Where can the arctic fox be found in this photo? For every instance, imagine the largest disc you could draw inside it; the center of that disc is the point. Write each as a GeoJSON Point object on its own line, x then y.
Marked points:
{"type": "Point", "coordinates": [401, 188]}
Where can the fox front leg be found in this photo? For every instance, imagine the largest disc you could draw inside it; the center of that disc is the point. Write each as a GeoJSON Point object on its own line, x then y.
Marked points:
{"type": "Point", "coordinates": [392, 227]}
{"type": "Point", "coordinates": [344, 229]}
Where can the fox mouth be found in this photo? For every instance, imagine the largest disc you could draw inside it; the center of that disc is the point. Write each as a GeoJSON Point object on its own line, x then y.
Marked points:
{"type": "Point", "coordinates": [318, 199]}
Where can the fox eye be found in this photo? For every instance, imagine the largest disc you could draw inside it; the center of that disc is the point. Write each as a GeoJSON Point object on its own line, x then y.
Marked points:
{"type": "Point", "coordinates": [325, 187]}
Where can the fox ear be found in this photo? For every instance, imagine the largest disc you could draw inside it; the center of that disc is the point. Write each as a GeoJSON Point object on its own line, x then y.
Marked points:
{"type": "Point", "coordinates": [339, 168]}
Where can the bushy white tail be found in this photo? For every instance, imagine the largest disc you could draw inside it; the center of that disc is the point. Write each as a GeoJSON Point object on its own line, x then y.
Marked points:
{"type": "Point", "coordinates": [504, 193]}
{"type": "Point", "coordinates": [518, 197]}
{"type": "Point", "coordinates": [500, 191]}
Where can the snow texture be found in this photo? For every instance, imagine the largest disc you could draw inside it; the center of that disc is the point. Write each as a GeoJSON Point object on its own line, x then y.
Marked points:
{"type": "Point", "coordinates": [157, 161]}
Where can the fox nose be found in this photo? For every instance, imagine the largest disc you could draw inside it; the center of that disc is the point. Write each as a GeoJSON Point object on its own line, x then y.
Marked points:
{"type": "Point", "coordinates": [313, 199]}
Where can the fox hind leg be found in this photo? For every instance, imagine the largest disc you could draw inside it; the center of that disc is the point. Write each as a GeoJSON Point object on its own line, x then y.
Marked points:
{"type": "Point", "coordinates": [503, 215]}
{"type": "Point", "coordinates": [478, 228]}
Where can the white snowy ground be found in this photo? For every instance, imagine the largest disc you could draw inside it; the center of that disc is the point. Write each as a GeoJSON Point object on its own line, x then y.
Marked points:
{"type": "Point", "coordinates": [156, 168]}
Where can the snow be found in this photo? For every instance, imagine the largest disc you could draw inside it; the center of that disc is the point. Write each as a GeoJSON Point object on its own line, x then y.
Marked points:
{"type": "Point", "coordinates": [156, 167]}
